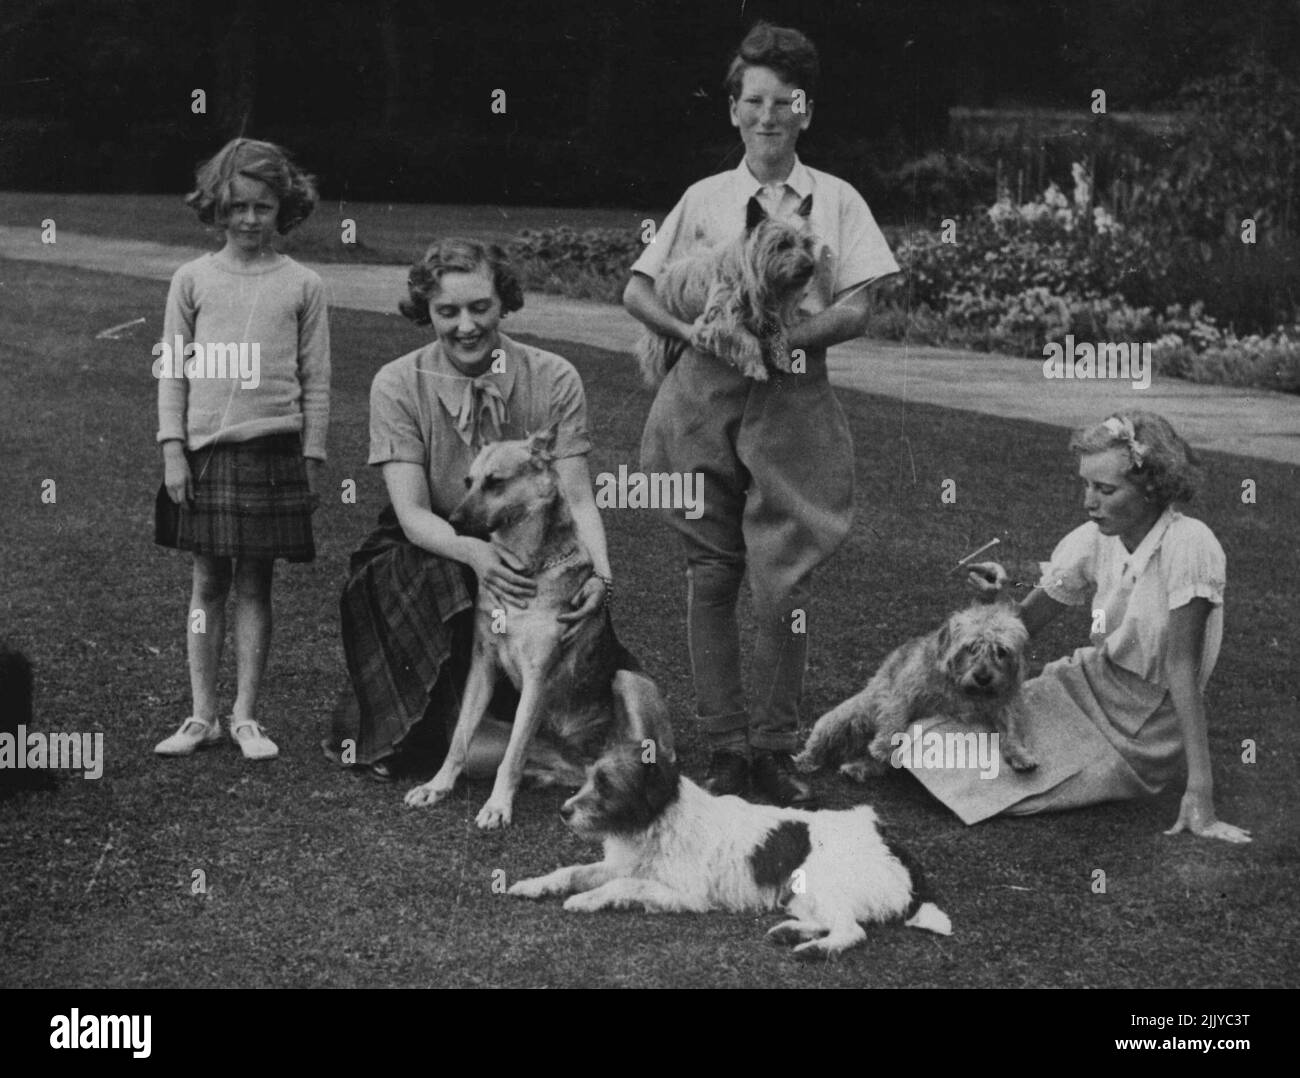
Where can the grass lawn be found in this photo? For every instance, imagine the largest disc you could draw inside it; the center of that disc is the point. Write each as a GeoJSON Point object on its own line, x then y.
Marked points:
{"type": "Point", "coordinates": [387, 233]}
{"type": "Point", "coordinates": [314, 877]}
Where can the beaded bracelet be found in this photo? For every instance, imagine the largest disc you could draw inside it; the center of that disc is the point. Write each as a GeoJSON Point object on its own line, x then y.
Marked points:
{"type": "Point", "coordinates": [609, 587]}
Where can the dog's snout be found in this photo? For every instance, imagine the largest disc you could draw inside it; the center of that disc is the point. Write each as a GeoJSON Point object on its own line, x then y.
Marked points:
{"type": "Point", "coordinates": [566, 811]}
{"type": "Point", "coordinates": [982, 677]}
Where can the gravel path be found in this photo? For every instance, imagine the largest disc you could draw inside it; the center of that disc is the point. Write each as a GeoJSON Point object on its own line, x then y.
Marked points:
{"type": "Point", "coordinates": [1253, 423]}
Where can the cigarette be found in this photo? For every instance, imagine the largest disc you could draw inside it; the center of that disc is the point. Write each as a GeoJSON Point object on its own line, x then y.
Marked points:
{"type": "Point", "coordinates": [976, 553]}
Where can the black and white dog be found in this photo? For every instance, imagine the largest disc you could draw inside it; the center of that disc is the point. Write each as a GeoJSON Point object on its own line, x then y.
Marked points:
{"type": "Point", "coordinates": [671, 847]}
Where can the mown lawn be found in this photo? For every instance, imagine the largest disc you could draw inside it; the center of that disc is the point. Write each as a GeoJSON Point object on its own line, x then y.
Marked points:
{"type": "Point", "coordinates": [314, 877]}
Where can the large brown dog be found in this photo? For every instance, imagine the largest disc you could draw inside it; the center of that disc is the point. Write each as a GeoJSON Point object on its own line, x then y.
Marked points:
{"type": "Point", "coordinates": [578, 698]}
{"type": "Point", "coordinates": [970, 668]}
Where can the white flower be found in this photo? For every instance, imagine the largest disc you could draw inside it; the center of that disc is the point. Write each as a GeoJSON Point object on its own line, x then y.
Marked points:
{"type": "Point", "coordinates": [1055, 198]}
{"type": "Point", "coordinates": [1103, 222]}
{"type": "Point", "coordinates": [1002, 210]}
{"type": "Point", "coordinates": [1082, 186]}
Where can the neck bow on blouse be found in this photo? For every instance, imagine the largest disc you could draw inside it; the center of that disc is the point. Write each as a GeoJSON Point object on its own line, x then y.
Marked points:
{"type": "Point", "coordinates": [482, 411]}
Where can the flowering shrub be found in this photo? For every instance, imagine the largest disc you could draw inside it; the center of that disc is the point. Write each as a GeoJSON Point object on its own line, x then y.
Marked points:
{"type": "Point", "coordinates": [1064, 245]}
{"type": "Point", "coordinates": [1019, 277]}
{"type": "Point", "coordinates": [592, 264]}
{"type": "Point", "coordinates": [601, 250]}
{"type": "Point", "coordinates": [1193, 346]}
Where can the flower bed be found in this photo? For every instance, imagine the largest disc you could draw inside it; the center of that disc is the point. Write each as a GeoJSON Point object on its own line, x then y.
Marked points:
{"type": "Point", "coordinates": [1016, 278]}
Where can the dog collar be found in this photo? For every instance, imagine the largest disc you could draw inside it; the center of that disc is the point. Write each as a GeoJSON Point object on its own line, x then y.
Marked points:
{"type": "Point", "coordinates": [558, 559]}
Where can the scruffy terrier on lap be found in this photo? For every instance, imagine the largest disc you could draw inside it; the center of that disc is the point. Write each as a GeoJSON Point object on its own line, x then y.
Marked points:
{"type": "Point", "coordinates": [970, 668]}
{"type": "Point", "coordinates": [740, 297]}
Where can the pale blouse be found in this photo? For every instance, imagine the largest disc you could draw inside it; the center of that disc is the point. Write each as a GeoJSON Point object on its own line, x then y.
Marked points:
{"type": "Point", "coordinates": [1177, 561]}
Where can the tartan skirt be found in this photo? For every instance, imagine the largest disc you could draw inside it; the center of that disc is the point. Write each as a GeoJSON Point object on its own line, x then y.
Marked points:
{"type": "Point", "coordinates": [407, 631]}
{"type": "Point", "coordinates": [251, 500]}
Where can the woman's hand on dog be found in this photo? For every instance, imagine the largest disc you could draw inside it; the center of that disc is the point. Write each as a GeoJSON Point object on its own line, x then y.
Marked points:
{"type": "Point", "coordinates": [1196, 814]}
{"type": "Point", "coordinates": [589, 600]}
{"type": "Point", "coordinates": [503, 581]}
{"type": "Point", "coordinates": [986, 579]}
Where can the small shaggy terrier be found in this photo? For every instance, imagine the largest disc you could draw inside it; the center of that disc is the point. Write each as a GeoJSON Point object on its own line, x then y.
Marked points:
{"type": "Point", "coordinates": [970, 669]}
{"type": "Point", "coordinates": [671, 847]}
{"type": "Point", "coordinates": [740, 297]}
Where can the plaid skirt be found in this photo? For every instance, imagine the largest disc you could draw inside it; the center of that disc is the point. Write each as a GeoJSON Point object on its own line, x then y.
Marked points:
{"type": "Point", "coordinates": [251, 500]}
{"type": "Point", "coordinates": [407, 631]}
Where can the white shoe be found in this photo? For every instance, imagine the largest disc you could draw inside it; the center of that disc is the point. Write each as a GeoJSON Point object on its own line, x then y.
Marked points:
{"type": "Point", "coordinates": [193, 734]}
{"type": "Point", "coordinates": [254, 744]}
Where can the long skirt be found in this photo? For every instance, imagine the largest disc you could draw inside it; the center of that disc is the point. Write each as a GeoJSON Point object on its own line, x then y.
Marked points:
{"type": "Point", "coordinates": [407, 633]}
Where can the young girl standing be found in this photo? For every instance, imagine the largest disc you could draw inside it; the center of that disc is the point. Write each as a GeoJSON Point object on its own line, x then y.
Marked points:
{"type": "Point", "coordinates": [243, 410]}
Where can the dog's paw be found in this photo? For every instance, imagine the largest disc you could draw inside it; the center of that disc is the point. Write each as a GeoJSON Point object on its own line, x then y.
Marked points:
{"type": "Point", "coordinates": [494, 815]}
{"type": "Point", "coordinates": [815, 949]}
{"type": "Point", "coordinates": [1020, 759]}
{"type": "Point", "coordinates": [831, 945]}
{"type": "Point", "coordinates": [778, 352]}
{"type": "Point", "coordinates": [806, 763]}
{"type": "Point", "coordinates": [862, 770]}
{"type": "Point", "coordinates": [537, 887]}
{"type": "Point", "coordinates": [792, 931]}
{"type": "Point", "coordinates": [747, 357]}
{"type": "Point", "coordinates": [583, 902]}
{"type": "Point", "coordinates": [430, 793]}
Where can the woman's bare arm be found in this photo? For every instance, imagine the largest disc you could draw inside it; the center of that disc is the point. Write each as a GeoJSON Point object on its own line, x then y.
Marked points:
{"type": "Point", "coordinates": [1038, 609]}
{"type": "Point", "coordinates": [575, 483]}
{"type": "Point", "coordinates": [1196, 813]}
{"type": "Point", "coordinates": [409, 492]}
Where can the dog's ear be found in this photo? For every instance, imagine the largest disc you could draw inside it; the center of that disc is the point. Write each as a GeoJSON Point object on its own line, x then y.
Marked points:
{"type": "Point", "coordinates": [945, 638]}
{"type": "Point", "coordinates": [754, 214]}
{"type": "Point", "coordinates": [805, 207]}
{"type": "Point", "coordinates": [542, 444]}
{"type": "Point", "coordinates": [659, 784]}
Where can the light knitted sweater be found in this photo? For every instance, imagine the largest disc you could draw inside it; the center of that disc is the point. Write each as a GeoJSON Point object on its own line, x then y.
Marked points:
{"type": "Point", "coordinates": [273, 317]}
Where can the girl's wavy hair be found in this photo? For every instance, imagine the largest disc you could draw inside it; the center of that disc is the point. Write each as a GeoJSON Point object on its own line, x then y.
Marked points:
{"type": "Point", "coordinates": [1161, 463]}
{"type": "Point", "coordinates": [459, 256]}
{"type": "Point", "coordinates": [256, 160]}
{"type": "Point", "coordinates": [785, 50]}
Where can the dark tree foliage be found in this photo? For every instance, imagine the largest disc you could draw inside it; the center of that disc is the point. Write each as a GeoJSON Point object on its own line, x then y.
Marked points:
{"type": "Point", "coordinates": [607, 102]}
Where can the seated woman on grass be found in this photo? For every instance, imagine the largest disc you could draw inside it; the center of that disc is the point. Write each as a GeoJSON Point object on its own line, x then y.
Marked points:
{"type": "Point", "coordinates": [1124, 717]}
{"type": "Point", "coordinates": [408, 605]}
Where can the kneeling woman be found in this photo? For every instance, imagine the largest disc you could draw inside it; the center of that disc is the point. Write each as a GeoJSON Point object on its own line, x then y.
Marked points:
{"type": "Point", "coordinates": [408, 604]}
{"type": "Point", "coordinates": [1124, 717]}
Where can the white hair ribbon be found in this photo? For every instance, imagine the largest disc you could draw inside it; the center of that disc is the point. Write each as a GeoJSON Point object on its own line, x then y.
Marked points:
{"type": "Point", "coordinates": [1121, 429]}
